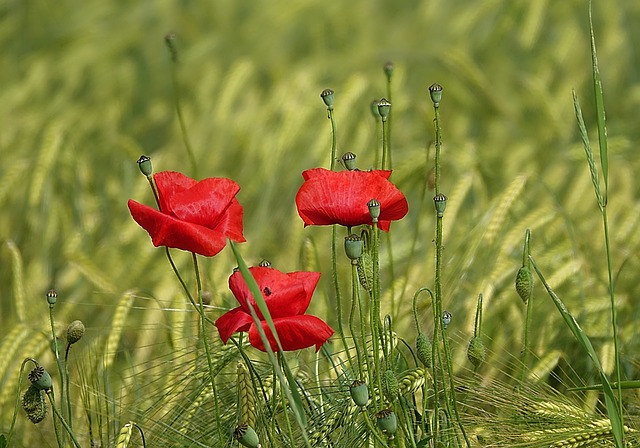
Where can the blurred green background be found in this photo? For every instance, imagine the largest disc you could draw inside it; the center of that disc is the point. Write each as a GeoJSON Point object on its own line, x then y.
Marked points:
{"type": "Point", "coordinates": [86, 88]}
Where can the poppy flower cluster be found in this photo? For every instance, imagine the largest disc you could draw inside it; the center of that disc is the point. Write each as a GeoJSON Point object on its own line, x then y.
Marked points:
{"type": "Point", "coordinates": [287, 296]}
{"type": "Point", "coordinates": [328, 197]}
{"type": "Point", "coordinates": [194, 216]}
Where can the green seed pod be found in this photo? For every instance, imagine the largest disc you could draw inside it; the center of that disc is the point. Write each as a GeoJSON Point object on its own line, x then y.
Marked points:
{"type": "Point", "coordinates": [374, 109]}
{"type": "Point", "coordinates": [440, 202]}
{"type": "Point", "coordinates": [52, 297]}
{"type": "Point", "coordinates": [34, 404]}
{"type": "Point", "coordinates": [359, 393]}
{"type": "Point", "coordinates": [424, 350]}
{"type": "Point", "coordinates": [524, 283]}
{"type": "Point", "coordinates": [145, 166]}
{"type": "Point", "coordinates": [384, 107]}
{"type": "Point", "coordinates": [353, 245]}
{"type": "Point", "coordinates": [75, 331]}
{"type": "Point", "coordinates": [435, 91]}
{"type": "Point", "coordinates": [390, 385]}
{"type": "Point", "coordinates": [40, 378]}
{"type": "Point", "coordinates": [476, 351]}
{"type": "Point", "coordinates": [327, 97]}
{"type": "Point", "coordinates": [386, 420]}
{"type": "Point", "coordinates": [246, 435]}
{"type": "Point", "coordinates": [374, 209]}
{"type": "Point", "coordinates": [365, 271]}
{"type": "Point", "coordinates": [349, 160]}
{"type": "Point", "coordinates": [388, 69]}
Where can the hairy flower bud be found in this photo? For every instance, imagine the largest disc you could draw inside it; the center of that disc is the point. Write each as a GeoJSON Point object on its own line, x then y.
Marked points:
{"type": "Point", "coordinates": [75, 331]}
{"type": "Point", "coordinates": [476, 351]}
{"type": "Point", "coordinates": [424, 350]}
{"type": "Point", "coordinates": [524, 283]}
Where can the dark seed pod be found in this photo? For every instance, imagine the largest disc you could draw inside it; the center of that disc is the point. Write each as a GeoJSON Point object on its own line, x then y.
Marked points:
{"type": "Point", "coordinates": [524, 283]}
{"type": "Point", "coordinates": [34, 404]}
{"type": "Point", "coordinates": [40, 378]}
{"type": "Point", "coordinates": [476, 351]}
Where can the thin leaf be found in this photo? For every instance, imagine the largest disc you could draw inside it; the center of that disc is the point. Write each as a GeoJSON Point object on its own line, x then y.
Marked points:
{"type": "Point", "coordinates": [593, 169]}
{"type": "Point", "coordinates": [600, 116]}
{"type": "Point", "coordinates": [610, 400]}
{"type": "Point", "coordinates": [631, 384]}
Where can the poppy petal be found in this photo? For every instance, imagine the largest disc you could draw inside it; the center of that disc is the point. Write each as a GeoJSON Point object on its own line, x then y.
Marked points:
{"type": "Point", "coordinates": [168, 184]}
{"type": "Point", "coordinates": [205, 202]}
{"type": "Point", "coordinates": [232, 322]}
{"type": "Point", "coordinates": [295, 333]}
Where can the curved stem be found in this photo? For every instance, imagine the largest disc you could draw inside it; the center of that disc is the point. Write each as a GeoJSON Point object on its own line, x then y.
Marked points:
{"type": "Point", "coordinates": [61, 418]}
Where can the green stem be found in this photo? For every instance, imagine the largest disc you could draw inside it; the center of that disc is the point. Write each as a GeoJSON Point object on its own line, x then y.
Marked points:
{"type": "Point", "coordinates": [334, 144]}
{"type": "Point", "coordinates": [61, 418]}
{"type": "Point", "coordinates": [55, 351]}
{"type": "Point", "coordinates": [67, 387]}
{"type": "Point", "coordinates": [355, 299]}
{"type": "Point", "coordinates": [373, 430]}
{"type": "Point", "coordinates": [376, 325]}
{"type": "Point", "coordinates": [183, 127]}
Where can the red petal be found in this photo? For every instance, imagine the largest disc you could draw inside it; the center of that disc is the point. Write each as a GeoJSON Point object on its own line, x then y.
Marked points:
{"type": "Point", "coordinates": [168, 184]}
{"type": "Point", "coordinates": [295, 333]}
{"type": "Point", "coordinates": [231, 322]}
{"type": "Point", "coordinates": [205, 202]}
{"type": "Point", "coordinates": [166, 230]}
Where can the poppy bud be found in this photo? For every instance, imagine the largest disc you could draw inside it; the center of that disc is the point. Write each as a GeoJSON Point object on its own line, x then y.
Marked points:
{"type": "Point", "coordinates": [446, 319]}
{"type": "Point", "coordinates": [424, 350]}
{"type": "Point", "coordinates": [353, 247]}
{"type": "Point", "coordinates": [388, 69]}
{"type": "Point", "coordinates": [440, 202]}
{"type": "Point", "coordinates": [374, 209]}
{"type": "Point", "coordinates": [384, 107]}
{"type": "Point", "coordinates": [374, 109]}
{"type": "Point", "coordinates": [40, 378]}
{"type": "Point", "coordinates": [34, 404]}
{"type": "Point", "coordinates": [435, 91]}
{"type": "Point", "coordinates": [349, 160]}
{"type": "Point", "coordinates": [386, 420]}
{"type": "Point", "coordinates": [75, 331]}
{"type": "Point", "coordinates": [264, 263]}
{"type": "Point", "coordinates": [52, 297]}
{"type": "Point", "coordinates": [365, 271]}
{"type": "Point", "coordinates": [524, 283]}
{"type": "Point", "coordinates": [476, 351]}
{"type": "Point", "coordinates": [246, 435]}
{"type": "Point", "coordinates": [390, 385]}
{"type": "Point", "coordinates": [359, 393]}
{"type": "Point", "coordinates": [327, 97]}
{"type": "Point", "coordinates": [145, 166]}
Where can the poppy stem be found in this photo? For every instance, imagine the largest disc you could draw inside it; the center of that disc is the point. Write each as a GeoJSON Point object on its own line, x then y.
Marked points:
{"type": "Point", "coordinates": [334, 142]}
{"type": "Point", "coordinates": [336, 285]}
{"type": "Point", "coordinates": [355, 298]}
{"type": "Point", "coordinates": [376, 326]}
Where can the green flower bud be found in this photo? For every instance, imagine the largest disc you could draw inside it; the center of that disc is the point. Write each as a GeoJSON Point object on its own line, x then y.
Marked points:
{"type": "Point", "coordinates": [246, 435]}
{"type": "Point", "coordinates": [34, 404]}
{"type": "Point", "coordinates": [424, 350]}
{"type": "Point", "coordinates": [386, 420]}
{"type": "Point", "coordinates": [52, 297]}
{"type": "Point", "coordinates": [435, 91]}
{"type": "Point", "coordinates": [327, 97]}
{"type": "Point", "coordinates": [388, 69]}
{"type": "Point", "coordinates": [476, 351]}
{"type": "Point", "coordinates": [384, 107]}
{"type": "Point", "coordinates": [365, 271]}
{"type": "Point", "coordinates": [440, 202]}
{"type": "Point", "coordinates": [145, 166]}
{"type": "Point", "coordinates": [353, 247]}
{"type": "Point", "coordinates": [349, 160]}
{"type": "Point", "coordinates": [75, 331]}
{"type": "Point", "coordinates": [390, 385]}
{"type": "Point", "coordinates": [374, 209]}
{"type": "Point", "coordinates": [524, 283]}
{"type": "Point", "coordinates": [40, 378]}
{"type": "Point", "coordinates": [359, 393]}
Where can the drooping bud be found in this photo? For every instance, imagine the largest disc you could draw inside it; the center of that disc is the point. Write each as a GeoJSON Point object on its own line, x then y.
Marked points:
{"type": "Point", "coordinates": [34, 404]}
{"type": "Point", "coordinates": [75, 331]}
{"type": "Point", "coordinates": [386, 420]}
{"type": "Point", "coordinates": [524, 283]}
{"type": "Point", "coordinates": [476, 351]}
{"type": "Point", "coordinates": [40, 378]}
{"type": "Point", "coordinates": [390, 385]}
{"type": "Point", "coordinates": [446, 319]}
{"type": "Point", "coordinates": [349, 160]}
{"type": "Point", "coordinates": [52, 297]}
{"type": "Point", "coordinates": [424, 350]}
{"type": "Point", "coordinates": [435, 91]}
{"type": "Point", "coordinates": [327, 97]}
{"type": "Point", "coordinates": [246, 436]}
{"type": "Point", "coordinates": [374, 209]}
{"type": "Point", "coordinates": [440, 202]}
{"type": "Point", "coordinates": [145, 165]}
{"type": "Point", "coordinates": [353, 245]}
{"type": "Point", "coordinates": [359, 393]}
{"type": "Point", "coordinates": [365, 271]}
{"type": "Point", "coordinates": [384, 108]}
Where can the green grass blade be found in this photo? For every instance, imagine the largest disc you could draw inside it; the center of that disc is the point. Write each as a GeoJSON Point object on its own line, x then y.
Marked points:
{"type": "Point", "coordinates": [610, 401]}
{"type": "Point", "coordinates": [630, 384]}
{"type": "Point", "coordinates": [593, 169]}
{"type": "Point", "coordinates": [291, 391]}
{"type": "Point", "coordinates": [600, 116]}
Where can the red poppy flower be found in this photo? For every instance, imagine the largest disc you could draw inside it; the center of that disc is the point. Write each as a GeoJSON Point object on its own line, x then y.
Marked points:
{"type": "Point", "coordinates": [330, 197]}
{"type": "Point", "coordinates": [287, 296]}
{"type": "Point", "coordinates": [194, 216]}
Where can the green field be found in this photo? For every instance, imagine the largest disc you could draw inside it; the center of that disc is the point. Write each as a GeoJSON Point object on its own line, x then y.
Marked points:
{"type": "Point", "coordinates": [87, 87]}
